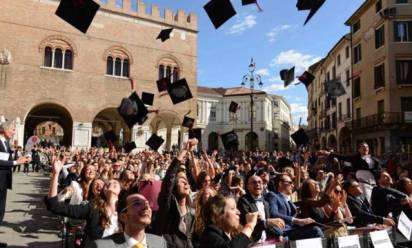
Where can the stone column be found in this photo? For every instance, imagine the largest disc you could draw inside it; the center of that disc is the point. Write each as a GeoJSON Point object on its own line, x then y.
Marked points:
{"type": "Point", "coordinates": [82, 134]}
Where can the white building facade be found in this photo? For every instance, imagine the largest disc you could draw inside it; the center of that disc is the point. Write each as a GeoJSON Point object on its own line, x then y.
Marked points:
{"type": "Point", "coordinates": [271, 119]}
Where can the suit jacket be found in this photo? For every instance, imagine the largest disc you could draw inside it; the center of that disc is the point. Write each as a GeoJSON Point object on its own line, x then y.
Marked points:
{"type": "Point", "coordinates": [279, 207]}
{"type": "Point", "coordinates": [5, 169]}
{"type": "Point", "coordinates": [386, 200]}
{"type": "Point", "coordinates": [361, 209]}
{"type": "Point", "coordinates": [215, 237]}
{"type": "Point", "coordinates": [118, 240]}
{"type": "Point", "coordinates": [247, 204]}
{"type": "Point", "coordinates": [358, 163]}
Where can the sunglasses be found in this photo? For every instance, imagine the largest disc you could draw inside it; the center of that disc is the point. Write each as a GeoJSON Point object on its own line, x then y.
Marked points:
{"type": "Point", "coordinates": [287, 182]}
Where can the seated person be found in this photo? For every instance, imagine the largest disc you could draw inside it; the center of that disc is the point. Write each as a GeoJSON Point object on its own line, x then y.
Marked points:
{"type": "Point", "coordinates": [405, 186]}
{"type": "Point", "coordinates": [282, 207]}
{"type": "Point", "coordinates": [360, 207]}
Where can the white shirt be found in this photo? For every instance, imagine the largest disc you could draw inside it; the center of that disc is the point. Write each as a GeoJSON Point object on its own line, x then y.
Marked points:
{"type": "Point", "coordinates": [261, 209]}
{"type": "Point", "coordinates": [113, 227]}
{"type": "Point", "coordinates": [130, 242]}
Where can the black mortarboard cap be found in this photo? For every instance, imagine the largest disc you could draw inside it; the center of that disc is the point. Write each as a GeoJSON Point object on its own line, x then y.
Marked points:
{"type": "Point", "coordinates": [147, 98]}
{"type": "Point", "coordinates": [229, 140]}
{"type": "Point", "coordinates": [179, 91]}
{"type": "Point", "coordinates": [163, 84]}
{"type": "Point", "coordinates": [334, 88]}
{"type": "Point", "coordinates": [195, 133]}
{"type": "Point", "coordinates": [133, 110]}
{"type": "Point", "coordinates": [246, 2]}
{"type": "Point", "coordinates": [300, 137]}
{"type": "Point", "coordinates": [164, 34]}
{"type": "Point", "coordinates": [219, 11]}
{"type": "Point", "coordinates": [128, 147]}
{"type": "Point", "coordinates": [312, 5]}
{"type": "Point", "coordinates": [287, 75]}
{"type": "Point", "coordinates": [78, 13]}
{"type": "Point", "coordinates": [154, 142]}
{"type": "Point", "coordinates": [233, 107]}
{"type": "Point", "coordinates": [306, 78]}
{"type": "Point", "coordinates": [188, 122]}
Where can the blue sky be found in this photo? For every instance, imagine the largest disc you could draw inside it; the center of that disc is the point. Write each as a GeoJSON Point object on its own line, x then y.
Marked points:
{"type": "Point", "coordinates": [275, 38]}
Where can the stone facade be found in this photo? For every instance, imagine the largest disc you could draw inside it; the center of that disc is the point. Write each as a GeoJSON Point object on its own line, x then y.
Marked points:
{"type": "Point", "coordinates": [84, 96]}
{"type": "Point", "coordinates": [271, 118]}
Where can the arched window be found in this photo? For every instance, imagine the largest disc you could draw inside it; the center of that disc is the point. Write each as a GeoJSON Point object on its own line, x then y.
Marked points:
{"type": "Point", "coordinates": [48, 57]}
{"type": "Point", "coordinates": [68, 60]}
{"type": "Point", "coordinates": [58, 58]}
{"type": "Point", "coordinates": [118, 67]}
{"type": "Point", "coordinates": [117, 62]}
{"type": "Point", "coordinates": [169, 68]}
{"type": "Point", "coordinates": [168, 71]}
{"type": "Point", "coordinates": [109, 66]}
{"type": "Point", "coordinates": [125, 68]}
{"type": "Point", "coordinates": [161, 71]}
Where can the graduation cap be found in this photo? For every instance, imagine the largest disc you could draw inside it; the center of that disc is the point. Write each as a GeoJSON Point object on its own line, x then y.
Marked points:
{"type": "Point", "coordinates": [179, 91]}
{"type": "Point", "coordinates": [187, 121]}
{"type": "Point", "coordinates": [163, 84]}
{"type": "Point", "coordinates": [128, 147]}
{"type": "Point", "coordinates": [147, 98]}
{"type": "Point", "coordinates": [233, 107]}
{"type": "Point", "coordinates": [219, 11]}
{"type": "Point", "coordinates": [133, 110]}
{"type": "Point", "coordinates": [287, 75]}
{"type": "Point", "coordinates": [247, 2]}
{"type": "Point", "coordinates": [154, 142]}
{"type": "Point", "coordinates": [229, 140]}
{"type": "Point", "coordinates": [164, 34]}
{"type": "Point", "coordinates": [300, 137]}
{"type": "Point", "coordinates": [334, 88]}
{"type": "Point", "coordinates": [195, 133]}
{"type": "Point", "coordinates": [306, 78]}
{"type": "Point", "coordinates": [78, 13]}
{"type": "Point", "coordinates": [312, 5]}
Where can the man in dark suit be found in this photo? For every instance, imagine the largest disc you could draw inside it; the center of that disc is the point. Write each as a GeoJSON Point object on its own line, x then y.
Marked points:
{"type": "Point", "coordinates": [7, 131]}
{"type": "Point", "coordinates": [252, 202]}
{"type": "Point", "coordinates": [360, 207]}
{"type": "Point", "coordinates": [135, 215]}
{"type": "Point", "coordinates": [282, 207]}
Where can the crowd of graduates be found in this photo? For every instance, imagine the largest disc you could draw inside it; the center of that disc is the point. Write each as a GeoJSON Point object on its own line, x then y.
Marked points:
{"type": "Point", "coordinates": [227, 199]}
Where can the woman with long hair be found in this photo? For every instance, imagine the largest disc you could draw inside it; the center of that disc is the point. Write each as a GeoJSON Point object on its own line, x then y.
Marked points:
{"type": "Point", "coordinates": [78, 191]}
{"type": "Point", "coordinates": [222, 220]}
{"type": "Point", "coordinates": [100, 215]}
{"type": "Point", "coordinates": [201, 198]}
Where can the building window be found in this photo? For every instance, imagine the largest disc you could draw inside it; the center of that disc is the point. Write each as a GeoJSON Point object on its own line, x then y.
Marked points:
{"type": "Point", "coordinates": [402, 1]}
{"type": "Point", "coordinates": [347, 77]}
{"type": "Point", "coordinates": [338, 60]}
{"type": "Point", "coordinates": [169, 69]}
{"type": "Point", "coordinates": [348, 108]}
{"type": "Point", "coordinates": [378, 5]}
{"type": "Point", "coordinates": [58, 58]}
{"type": "Point", "coordinates": [213, 113]}
{"type": "Point", "coordinates": [379, 37]}
{"type": "Point", "coordinates": [406, 104]}
{"type": "Point", "coordinates": [357, 54]}
{"type": "Point", "coordinates": [379, 76]}
{"type": "Point", "coordinates": [404, 71]}
{"type": "Point", "coordinates": [347, 51]}
{"type": "Point", "coordinates": [333, 72]}
{"type": "Point", "coordinates": [356, 26]}
{"type": "Point", "coordinates": [340, 110]}
{"type": "Point", "coordinates": [356, 87]}
{"type": "Point", "coordinates": [403, 31]}
{"type": "Point", "coordinates": [109, 67]}
{"type": "Point", "coordinates": [328, 76]}
{"type": "Point", "coordinates": [116, 66]}
{"type": "Point", "coordinates": [358, 117]}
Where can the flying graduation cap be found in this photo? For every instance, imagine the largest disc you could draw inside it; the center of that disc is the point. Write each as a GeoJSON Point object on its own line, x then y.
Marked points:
{"type": "Point", "coordinates": [154, 142]}
{"type": "Point", "coordinates": [334, 88]}
{"type": "Point", "coordinates": [133, 110]}
{"type": "Point", "coordinates": [78, 13]}
{"type": "Point", "coordinates": [219, 11]}
{"type": "Point", "coordinates": [128, 147]}
{"type": "Point", "coordinates": [300, 137]}
{"type": "Point", "coordinates": [312, 5]}
{"type": "Point", "coordinates": [147, 98]}
{"type": "Point", "coordinates": [164, 34]}
{"type": "Point", "coordinates": [179, 91]}
{"type": "Point", "coordinates": [163, 84]}
{"type": "Point", "coordinates": [306, 78]}
{"type": "Point", "coordinates": [287, 76]}
{"type": "Point", "coordinates": [247, 2]}
{"type": "Point", "coordinates": [187, 121]}
{"type": "Point", "coordinates": [233, 107]}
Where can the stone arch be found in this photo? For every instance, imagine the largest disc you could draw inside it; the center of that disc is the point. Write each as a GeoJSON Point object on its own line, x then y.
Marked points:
{"type": "Point", "coordinates": [332, 143]}
{"type": "Point", "coordinates": [323, 143]}
{"type": "Point", "coordinates": [169, 58]}
{"type": "Point", "coordinates": [49, 111]}
{"type": "Point", "coordinates": [119, 51]}
{"type": "Point", "coordinates": [58, 41]}
{"type": "Point", "coordinates": [114, 129]}
{"type": "Point", "coordinates": [167, 124]}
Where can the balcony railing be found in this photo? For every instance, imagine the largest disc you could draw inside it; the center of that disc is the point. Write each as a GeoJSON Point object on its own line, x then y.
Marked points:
{"type": "Point", "coordinates": [386, 118]}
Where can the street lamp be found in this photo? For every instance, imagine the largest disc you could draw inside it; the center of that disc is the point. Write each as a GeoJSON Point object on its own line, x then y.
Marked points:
{"type": "Point", "coordinates": [251, 78]}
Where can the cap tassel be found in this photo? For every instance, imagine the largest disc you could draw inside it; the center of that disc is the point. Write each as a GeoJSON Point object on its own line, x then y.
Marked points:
{"type": "Point", "coordinates": [258, 6]}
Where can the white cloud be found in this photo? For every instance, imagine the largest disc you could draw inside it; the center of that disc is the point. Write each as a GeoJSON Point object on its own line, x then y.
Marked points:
{"type": "Point", "coordinates": [299, 110]}
{"type": "Point", "coordinates": [274, 32]}
{"type": "Point", "coordinates": [264, 72]}
{"type": "Point", "coordinates": [241, 25]}
{"type": "Point", "coordinates": [299, 60]}
{"type": "Point", "coordinates": [277, 85]}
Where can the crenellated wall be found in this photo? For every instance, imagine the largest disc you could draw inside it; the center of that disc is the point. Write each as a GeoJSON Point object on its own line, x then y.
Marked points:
{"type": "Point", "coordinates": [152, 13]}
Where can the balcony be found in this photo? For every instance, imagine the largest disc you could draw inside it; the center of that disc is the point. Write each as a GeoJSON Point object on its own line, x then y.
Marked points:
{"type": "Point", "coordinates": [383, 119]}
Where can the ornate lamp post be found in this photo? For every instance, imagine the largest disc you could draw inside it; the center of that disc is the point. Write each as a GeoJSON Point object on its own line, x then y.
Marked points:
{"type": "Point", "coordinates": [251, 79]}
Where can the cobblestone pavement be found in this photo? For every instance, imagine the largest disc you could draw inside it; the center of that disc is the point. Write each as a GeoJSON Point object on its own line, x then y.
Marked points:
{"type": "Point", "coordinates": [27, 223]}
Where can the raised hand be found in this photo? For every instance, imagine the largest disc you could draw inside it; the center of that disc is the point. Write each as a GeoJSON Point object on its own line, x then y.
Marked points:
{"type": "Point", "coordinates": [57, 166]}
